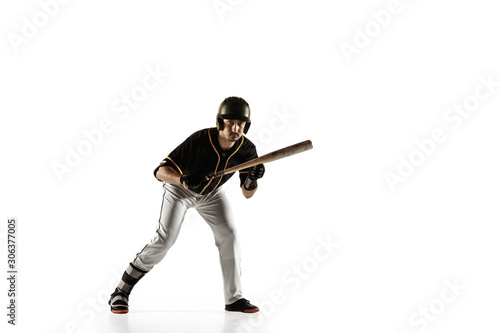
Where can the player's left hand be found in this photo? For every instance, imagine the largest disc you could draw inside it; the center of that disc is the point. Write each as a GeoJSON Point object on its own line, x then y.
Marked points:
{"type": "Point", "coordinates": [256, 172]}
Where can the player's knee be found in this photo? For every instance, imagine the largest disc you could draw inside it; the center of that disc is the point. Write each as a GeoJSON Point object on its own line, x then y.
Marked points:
{"type": "Point", "coordinates": [166, 237]}
{"type": "Point", "coordinates": [229, 232]}
{"type": "Point", "coordinates": [229, 241]}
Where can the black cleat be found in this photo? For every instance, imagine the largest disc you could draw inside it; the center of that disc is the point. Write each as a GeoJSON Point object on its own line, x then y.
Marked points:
{"type": "Point", "coordinates": [119, 301]}
{"type": "Point", "coordinates": [242, 305]}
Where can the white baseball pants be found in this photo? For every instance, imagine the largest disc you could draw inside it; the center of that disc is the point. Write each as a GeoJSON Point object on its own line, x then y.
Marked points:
{"type": "Point", "coordinates": [216, 211]}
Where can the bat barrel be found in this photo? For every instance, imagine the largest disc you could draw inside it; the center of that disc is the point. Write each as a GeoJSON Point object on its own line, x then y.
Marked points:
{"type": "Point", "coordinates": [273, 156]}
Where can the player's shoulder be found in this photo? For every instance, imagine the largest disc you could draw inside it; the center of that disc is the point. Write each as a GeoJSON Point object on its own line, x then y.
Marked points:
{"type": "Point", "coordinates": [199, 135]}
{"type": "Point", "coordinates": [248, 143]}
{"type": "Point", "coordinates": [248, 148]}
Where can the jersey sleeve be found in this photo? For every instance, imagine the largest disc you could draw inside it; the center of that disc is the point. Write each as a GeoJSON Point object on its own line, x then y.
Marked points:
{"type": "Point", "coordinates": [179, 158]}
{"type": "Point", "coordinates": [248, 153]}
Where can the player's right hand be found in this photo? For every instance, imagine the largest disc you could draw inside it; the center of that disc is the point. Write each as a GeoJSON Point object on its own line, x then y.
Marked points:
{"type": "Point", "coordinates": [191, 181]}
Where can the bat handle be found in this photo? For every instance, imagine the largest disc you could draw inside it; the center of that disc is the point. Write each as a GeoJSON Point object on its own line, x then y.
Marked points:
{"type": "Point", "coordinates": [210, 176]}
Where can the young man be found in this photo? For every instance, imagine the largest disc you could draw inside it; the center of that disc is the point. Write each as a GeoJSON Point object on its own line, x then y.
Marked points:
{"type": "Point", "coordinates": [183, 174]}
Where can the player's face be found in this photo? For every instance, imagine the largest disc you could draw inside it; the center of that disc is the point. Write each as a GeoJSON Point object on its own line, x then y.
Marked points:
{"type": "Point", "coordinates": [233, 129]}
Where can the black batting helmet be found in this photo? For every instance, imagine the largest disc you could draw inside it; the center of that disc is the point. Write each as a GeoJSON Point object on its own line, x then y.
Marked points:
{"type": "Point", "coordinates": [234, 108]}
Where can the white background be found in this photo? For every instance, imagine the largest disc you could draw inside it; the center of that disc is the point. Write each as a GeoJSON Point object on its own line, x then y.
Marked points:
{"type": "Point", "coordinates": [397, 248]}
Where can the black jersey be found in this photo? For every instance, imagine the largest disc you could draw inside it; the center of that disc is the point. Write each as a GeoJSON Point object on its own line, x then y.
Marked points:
{"type": "Point", "coordinates": [201, 154]}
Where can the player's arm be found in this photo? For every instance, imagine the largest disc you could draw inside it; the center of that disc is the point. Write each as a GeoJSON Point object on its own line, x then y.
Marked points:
{"type": "Point", "coordinates": [246, 193]}
{"type": "Point", "coordinates": [249, 187]}
{"type": "Point", "coordinates": [167, 174]}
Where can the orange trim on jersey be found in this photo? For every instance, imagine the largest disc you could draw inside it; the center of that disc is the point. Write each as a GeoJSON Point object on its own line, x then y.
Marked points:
{"type": "Point", "coordinates": [218, 161]}
{"type": "Point", "coordinates": [171, 160]}
{"type": "Point", "coordinates": [242, 139]}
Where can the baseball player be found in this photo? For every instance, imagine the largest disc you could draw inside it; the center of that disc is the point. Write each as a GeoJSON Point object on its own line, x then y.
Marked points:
{"type": "Point", "coordinates": [183, 174]}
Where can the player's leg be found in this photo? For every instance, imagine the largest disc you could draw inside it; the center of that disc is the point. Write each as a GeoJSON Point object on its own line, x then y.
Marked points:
{"type": "Point", "coordinates": [174, 206]}
{"type": "Point", "coordinates": [119, 298]}
{"type": "Point", "coordinates": [216, 211]}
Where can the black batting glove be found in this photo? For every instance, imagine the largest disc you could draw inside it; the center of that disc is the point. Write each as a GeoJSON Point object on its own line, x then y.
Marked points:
{"type": "Point", "coordinates": [191, 181]}
{"type": "Point", "coordinates": [255, 172]}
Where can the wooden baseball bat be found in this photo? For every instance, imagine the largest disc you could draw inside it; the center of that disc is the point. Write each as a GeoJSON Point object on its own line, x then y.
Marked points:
{"type": "Point", "coordinates": [274, 156]}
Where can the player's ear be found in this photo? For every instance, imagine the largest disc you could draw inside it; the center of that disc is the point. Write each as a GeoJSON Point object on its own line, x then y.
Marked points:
{"type": "Point", "coordinates": [220, 124]}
